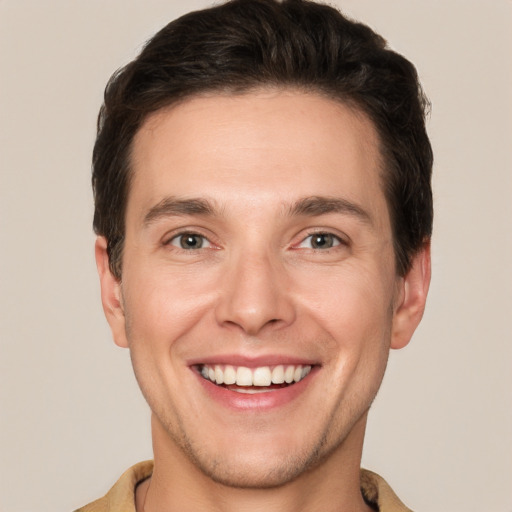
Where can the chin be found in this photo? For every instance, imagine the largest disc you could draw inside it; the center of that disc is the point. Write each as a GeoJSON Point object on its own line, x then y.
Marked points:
{"type": "Point", "coordinates": [252, 472]}
{"type": "Point", "coordinates": [266, 462]}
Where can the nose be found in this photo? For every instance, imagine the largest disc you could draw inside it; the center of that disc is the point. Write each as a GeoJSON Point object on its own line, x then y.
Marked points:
{"type": "Point", "coordinates": [255, 295]}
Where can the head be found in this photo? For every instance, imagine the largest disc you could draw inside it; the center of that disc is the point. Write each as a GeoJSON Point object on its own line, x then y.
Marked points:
{"type": "Point", "coordinates": [262, 185]}
{"type": "Point", "coordinates": [245, 45]}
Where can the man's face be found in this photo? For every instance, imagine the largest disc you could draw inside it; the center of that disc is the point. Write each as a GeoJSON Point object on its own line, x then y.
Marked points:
{"type": "Point", "coordinates": [258, 249]}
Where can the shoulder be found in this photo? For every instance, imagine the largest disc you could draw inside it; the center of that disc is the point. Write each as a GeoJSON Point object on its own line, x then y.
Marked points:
{"type": "Point", "coordinates": [121, 497]}
{"type": "Point", "coordinates": [378, 493]}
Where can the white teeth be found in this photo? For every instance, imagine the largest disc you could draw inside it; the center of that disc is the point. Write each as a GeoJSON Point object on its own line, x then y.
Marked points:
{"type": "Point", "coordinates": [243, 376]}
{"type": "Point", "coordinates": [278, 374]}
{"type": "Point", "coordinates": [249, 390]}
{"type": "Point", "coordinates": [262, 376]}
{"type": "Point", "coordinates": [229, 375]}
{"type": "Point", "coordinates": [288, 374]}
{"type": "Point", "coordinates": [219, 375]}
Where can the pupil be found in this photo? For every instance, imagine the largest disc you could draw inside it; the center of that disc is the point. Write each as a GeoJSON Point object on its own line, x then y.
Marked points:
{"type": "Point", "coordinates": [191, 242]}
{"type": "Point", "coordinates": [321, 241]}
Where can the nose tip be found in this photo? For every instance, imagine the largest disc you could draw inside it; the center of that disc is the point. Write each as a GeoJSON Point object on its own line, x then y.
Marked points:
{"type": "Point", "coordinates": [254, 297]}
{"type": "Point", "coordinates": [251, 320]}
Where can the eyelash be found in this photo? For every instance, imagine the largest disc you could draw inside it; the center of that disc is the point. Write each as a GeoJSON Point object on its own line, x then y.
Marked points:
{"type": "Point", "coordinates": [335, 240]}
{"type": "Point", "coordinates": [183, 235]}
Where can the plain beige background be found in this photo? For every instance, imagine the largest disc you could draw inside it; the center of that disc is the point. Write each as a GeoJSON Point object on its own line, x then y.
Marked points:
{"type": "Point", "coordinates": [72, 418]}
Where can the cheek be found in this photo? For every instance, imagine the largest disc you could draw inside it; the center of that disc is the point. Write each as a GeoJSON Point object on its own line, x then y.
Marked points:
{"type": "Point", "coordinates": [161, 304]}
{"type": "Point", "coordinates": [351, 302]}
{"type": "Point", "coordinates": [356, 313]}
{"type": "Point", "coordinates": [162, 311]}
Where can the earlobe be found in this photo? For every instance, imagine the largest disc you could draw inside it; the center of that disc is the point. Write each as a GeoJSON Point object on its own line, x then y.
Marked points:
{"type": "Point", "coordinates": [110, 294]}
{"type": "Point", "coordinates": [412, 297]}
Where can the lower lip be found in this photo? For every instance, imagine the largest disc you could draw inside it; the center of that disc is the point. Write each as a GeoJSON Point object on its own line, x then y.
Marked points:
{"type": "Point", "coordinates": [258, 401]}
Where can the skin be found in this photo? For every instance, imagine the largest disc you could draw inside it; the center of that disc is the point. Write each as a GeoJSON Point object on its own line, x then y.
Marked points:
{"type": "Point", "coordinates": [258, 287]}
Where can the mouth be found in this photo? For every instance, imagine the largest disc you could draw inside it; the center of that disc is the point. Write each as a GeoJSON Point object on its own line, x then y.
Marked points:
{"type": "Point", "coordinates": [262, 379]}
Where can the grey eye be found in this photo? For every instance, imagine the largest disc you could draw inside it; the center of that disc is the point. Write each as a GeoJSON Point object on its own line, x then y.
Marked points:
{"type": "Point", "coordinates": [320, 241]}
{"type": "Point", "coordinates": [189, 241]}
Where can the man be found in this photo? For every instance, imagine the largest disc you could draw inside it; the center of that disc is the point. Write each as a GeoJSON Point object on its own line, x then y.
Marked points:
{"type": "Point", "coordinates": [263, 211]}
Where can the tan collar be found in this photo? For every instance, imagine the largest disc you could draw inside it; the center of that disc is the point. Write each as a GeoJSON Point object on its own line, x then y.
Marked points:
{"type": "Point", "coordinates": [121, 498]}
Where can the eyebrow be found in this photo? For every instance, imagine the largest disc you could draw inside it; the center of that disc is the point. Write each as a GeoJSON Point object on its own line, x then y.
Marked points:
{"type": "Point", "coordinates": [320, 205]}
{"type": "Point", "coordinates": [312, 206]}
{"type": "Point", "coordinates": [172, 206]}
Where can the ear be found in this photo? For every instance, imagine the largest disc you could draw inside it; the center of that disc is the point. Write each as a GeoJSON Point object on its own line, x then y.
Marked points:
{"type": "Point", "coordinates": [412, 292]}
{"type": "Point", "coordinates": [110, 294]}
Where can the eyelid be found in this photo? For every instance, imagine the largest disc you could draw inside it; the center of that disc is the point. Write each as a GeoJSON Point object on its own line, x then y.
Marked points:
{"type": "Point", "coordinates": [342, 240]}
{"type": "Point", "coordinates": [174, 241]}
{"type": "Point", "coordinates": [190, 230]}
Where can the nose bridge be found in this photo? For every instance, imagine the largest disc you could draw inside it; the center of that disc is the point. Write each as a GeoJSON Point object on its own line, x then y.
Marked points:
{"type": "Point", "coordinates": [253, 291]}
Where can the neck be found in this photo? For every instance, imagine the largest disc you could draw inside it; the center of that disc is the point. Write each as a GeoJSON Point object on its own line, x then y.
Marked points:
{"type": "Point", "coordinates": [177, 484]}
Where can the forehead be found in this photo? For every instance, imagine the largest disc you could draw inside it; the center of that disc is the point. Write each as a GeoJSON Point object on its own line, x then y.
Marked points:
{"type": "Point", "coordinates": [261, 146]}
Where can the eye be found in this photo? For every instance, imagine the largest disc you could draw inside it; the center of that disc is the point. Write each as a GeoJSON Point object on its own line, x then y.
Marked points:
{"type": "Point", "coordinates": [189, 241]}
{"type": "Point", "coordinates": [320, 241]}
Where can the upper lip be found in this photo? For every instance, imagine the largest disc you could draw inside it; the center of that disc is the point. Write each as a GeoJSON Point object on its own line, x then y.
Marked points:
{"type": "Point", "coordinates": [252, 361]}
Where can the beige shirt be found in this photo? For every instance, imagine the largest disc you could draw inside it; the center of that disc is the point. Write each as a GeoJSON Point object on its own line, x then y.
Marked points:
{"type": "Point", "coordinates": [121, 498]}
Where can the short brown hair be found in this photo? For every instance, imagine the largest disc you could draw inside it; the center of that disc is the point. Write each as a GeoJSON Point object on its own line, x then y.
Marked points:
{"type": "Point", "coordinates": [245, 44]}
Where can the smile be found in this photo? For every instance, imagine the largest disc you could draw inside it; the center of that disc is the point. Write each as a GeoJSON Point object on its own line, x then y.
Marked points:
{"type": "Point", "coordinates": [254, 380]}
